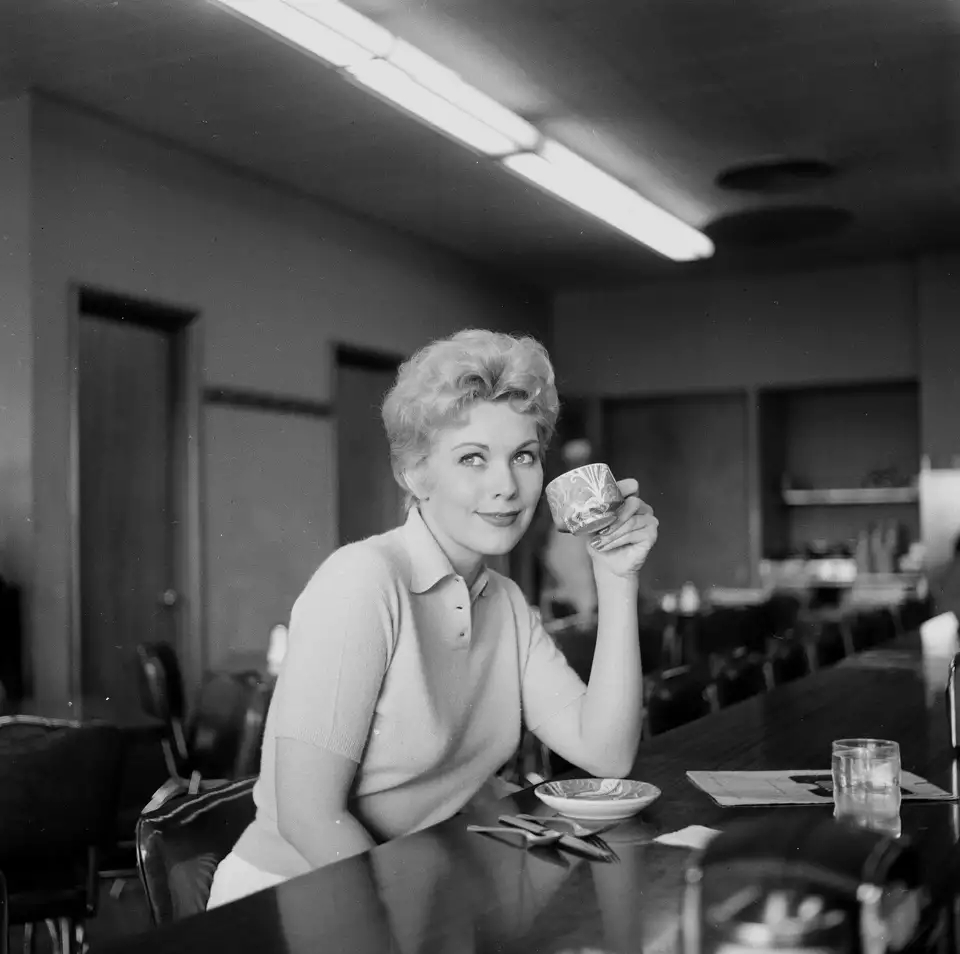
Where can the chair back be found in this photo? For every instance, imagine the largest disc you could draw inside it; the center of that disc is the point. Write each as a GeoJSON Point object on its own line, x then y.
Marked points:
{"type": "Point", "coordinates": [788, 661]}
{"type": "Point", "coordinates": [676, 697]}
{"type": "Point", "coordinates": [59, 788]}
{"type": "Point", "coordinates": [829, 646]}
{"type": "Point", "coordinates": [180, 844]}
{"type": "Point", "coordinates": [739, 679]}
{"type": "Point", "coordinates": [227, 728]}
{"type": "Point", "coordinates": [160, 682]}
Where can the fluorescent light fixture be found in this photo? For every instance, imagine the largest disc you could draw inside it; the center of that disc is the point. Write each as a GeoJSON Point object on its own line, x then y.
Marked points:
{"type": "Point", "coordinates": [563, 173]}
{"type": "Point", "coordinates": [394, 84]}
{"type": "Point", "coordinates": [303, 30]}
{"type": "Point", "coordinates": [348, 23]}
{"type": "Point", "coordinates": [429, 73]}
{"type": "Point", "coordinates": [398, 72]}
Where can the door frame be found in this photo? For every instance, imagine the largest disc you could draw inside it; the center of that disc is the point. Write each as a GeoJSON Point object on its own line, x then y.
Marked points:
{"type": "Point", "coordinates": [183, 322]}
{"type": "Point", "coordinates": [360, 356]}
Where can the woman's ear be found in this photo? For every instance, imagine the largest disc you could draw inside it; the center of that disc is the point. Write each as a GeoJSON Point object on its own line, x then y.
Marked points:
{"type": "Point", "coordinates": [416, 481]}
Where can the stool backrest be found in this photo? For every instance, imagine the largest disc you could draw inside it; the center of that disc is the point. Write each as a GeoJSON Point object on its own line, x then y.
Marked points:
{"type": "Point", "coordinates": [180, 844]}
{"type": "Point", "coordinates": [59, 788]}
{"type": "Point", "coordinates": [160, 682]}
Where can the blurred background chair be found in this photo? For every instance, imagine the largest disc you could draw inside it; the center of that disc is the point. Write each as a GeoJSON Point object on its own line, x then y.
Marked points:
{"type": "Point", "coordinates": [829, 644]}
{"type": "Point", "coordinates": [220, 738]}
{"type": "Point", "coordinates": [180, 844]}
{"type": "Point", "coordinates": [787, 660]}
{"type": "Point", "coordinates": [59, 785]}
{"type": "Point", "coordinates": [740, 677]}
{"type": "Point", "coordinates": [675, 697]}
{"type": "Point", "coordinates": [162, 696]}
{"type": "Point", "coordinates": [226, 732]}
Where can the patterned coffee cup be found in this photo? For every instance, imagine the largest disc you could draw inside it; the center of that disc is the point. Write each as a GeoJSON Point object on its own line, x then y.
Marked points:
{"type": "Point", "coordinates": [586, 499]}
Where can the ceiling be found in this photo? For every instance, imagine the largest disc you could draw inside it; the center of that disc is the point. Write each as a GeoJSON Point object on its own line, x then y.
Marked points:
{"type": "Point", "coordinates": [665, 94]}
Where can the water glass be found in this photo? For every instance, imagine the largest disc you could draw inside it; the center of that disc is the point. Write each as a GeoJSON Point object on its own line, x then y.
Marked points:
{"type": "Point", "coordinates": [866, 783]}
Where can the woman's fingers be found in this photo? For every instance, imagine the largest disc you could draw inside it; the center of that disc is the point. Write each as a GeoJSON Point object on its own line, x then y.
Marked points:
{"type": "Point", "coordinates": [631, 507]}
{"type": "Point", "coordinates": [644, 523]}
{"type": "Point", "coordinates": [628, 486]}
{"type": "Point", "coordinates": [644, 532]}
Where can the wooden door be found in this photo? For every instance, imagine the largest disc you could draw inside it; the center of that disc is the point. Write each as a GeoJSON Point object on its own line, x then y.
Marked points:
{"type": "Point", "coordinates": [370, 500]}
{"type": "Point", "coordinates": [127, 505]}
{"type": "Point", "coordinates": [689, 455]}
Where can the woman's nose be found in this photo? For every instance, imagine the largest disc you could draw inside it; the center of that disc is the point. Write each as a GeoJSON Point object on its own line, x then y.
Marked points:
{"type": "Point", "coordinates": [504, 483]}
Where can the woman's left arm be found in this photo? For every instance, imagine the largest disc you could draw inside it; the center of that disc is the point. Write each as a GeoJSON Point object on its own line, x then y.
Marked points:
{"type": "Point", "coordinates": [602, 731]}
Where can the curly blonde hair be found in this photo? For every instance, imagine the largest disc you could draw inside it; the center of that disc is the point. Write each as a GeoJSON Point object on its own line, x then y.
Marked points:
{"type": "Point", "coordinates": [443, 380]}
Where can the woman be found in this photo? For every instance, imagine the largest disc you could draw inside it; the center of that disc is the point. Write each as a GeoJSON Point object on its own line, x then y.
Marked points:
{"type": "Point", "coordinates": [410, 666]}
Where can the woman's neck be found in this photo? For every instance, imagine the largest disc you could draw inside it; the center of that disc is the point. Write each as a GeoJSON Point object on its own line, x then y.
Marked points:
{"type": "Point", "coordinates": [465, 562]}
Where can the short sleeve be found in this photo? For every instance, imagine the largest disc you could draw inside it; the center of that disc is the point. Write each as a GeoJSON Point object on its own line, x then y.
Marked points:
{"type": "Point", "coordinates": [548, 683]}
{"type": "Point", "coordinates": [339, 647]}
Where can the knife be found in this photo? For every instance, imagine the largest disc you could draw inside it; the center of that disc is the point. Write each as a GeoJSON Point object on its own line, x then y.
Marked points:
{"type": "Point", "coordinates": [570, 842]}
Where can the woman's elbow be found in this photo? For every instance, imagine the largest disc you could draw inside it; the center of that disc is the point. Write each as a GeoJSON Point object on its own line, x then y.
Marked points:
{"type": "Point", "coordinates": [611, 765]}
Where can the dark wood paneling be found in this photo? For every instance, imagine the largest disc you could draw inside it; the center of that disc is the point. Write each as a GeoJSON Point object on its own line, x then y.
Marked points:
{"type": "Point", "coordinates": [369, 496]}
{"type": "Point", "coordinates": [126, 498]}
{"type": "Point", "coordinates": [689, 455]}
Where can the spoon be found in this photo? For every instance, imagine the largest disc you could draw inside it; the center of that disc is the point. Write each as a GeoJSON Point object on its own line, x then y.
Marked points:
{"type": "Point", "coordinates": [530, 838]}
{"type": "Point", "coordinates": [576, 829]}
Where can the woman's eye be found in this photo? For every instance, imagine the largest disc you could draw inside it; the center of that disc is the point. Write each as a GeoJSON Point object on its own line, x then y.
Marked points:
{"type": "Point", "coordinates": [471, 459]}
{"type": "Point", "coordinates": [526, 457]}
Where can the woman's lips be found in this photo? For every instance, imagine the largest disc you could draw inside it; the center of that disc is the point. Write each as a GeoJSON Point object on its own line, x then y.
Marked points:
{"type": "Point", "coordinates": [505, 519]}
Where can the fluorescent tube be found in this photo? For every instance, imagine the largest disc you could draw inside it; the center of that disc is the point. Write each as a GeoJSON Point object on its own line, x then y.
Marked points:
{"type": "Point", "coordinates": [561, 172]}
{"type": "Point", "coordinates": [394, 84]}
{"type": "Point", "coordinates": [302, 30]}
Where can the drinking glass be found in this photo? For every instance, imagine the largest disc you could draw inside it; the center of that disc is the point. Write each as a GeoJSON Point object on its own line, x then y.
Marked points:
{"type": "Point", "coordinates": [866, 783]}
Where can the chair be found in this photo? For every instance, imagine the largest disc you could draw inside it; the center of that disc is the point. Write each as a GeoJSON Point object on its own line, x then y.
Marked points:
{"type": "Point", "coordinates": [740, 677]}
{"type": "Point", "coordinates": [720, 632]}
{"type": "Point", "coordinates": [226, 732]}
{"type": "Point", "coordinates": [788, 660]}
{"type": "Point", "coordinates": [829, 644]}
{"type": "Point", "coordinates": [866, 630]}
{"type": "Point", "coordinates": [162, 696]}
{"type": "Point", "coordinates": [657, 636]}
{"type": "Point", "coordinates": [59, 785]}
{"type": "Point", "coordinates": [781, 611]}
{"type": "Point", "coordinates": [676, 697]}
{"type": "Point", "coordinates": [180, 844]}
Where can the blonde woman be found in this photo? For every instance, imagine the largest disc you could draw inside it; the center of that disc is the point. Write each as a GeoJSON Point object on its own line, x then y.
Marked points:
{"type": "Point", "coordinates": [411, 667]}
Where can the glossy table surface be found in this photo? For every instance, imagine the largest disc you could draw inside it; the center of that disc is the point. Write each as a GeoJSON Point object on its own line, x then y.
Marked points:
{"type": "Point", "coordinates": [449, 890]}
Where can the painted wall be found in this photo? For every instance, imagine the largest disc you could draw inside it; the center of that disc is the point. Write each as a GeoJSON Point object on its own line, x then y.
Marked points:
{"type": "Point", "coordinates": [938, 320]}
{"type": "Point", "coordinates": [276, 278]}
{"type": "Point", "coordinates": [840, 325]}
{"type": "Point", "coordinates": [16, 345]}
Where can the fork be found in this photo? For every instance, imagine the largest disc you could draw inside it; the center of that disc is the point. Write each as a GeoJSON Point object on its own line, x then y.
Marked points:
{"type": "Point", "coordinates": [576, 829]}
{"type": "Point", "coordinates": [531, 839]}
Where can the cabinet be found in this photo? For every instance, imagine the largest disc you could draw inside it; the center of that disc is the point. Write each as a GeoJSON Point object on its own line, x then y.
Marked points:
{"type": "Point", "coordinates": [833, 461]}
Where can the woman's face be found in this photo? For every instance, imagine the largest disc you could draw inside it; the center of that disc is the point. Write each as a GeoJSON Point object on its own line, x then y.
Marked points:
{"type": "Point", "coordinates": [482, 481]}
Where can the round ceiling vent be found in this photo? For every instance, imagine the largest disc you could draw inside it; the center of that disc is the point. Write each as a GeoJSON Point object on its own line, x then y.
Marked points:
{"type": "Point", "coordinates": [755, 228]}
{"type": "Point", "coordinates": [775, 175]}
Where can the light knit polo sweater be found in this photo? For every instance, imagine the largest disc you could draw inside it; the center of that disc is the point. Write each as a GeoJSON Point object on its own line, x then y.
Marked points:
{"type": "Point", "coordinates": [394, 663]}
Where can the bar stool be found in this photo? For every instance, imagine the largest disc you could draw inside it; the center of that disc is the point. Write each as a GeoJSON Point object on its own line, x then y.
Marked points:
{"type": "Point", "coordinates": [181, 842]}
{"type": "Point", "coordinates": [739, 678]}
{"type": "Point", "coordinates": [59, 786]}
{"type": "Point", "coordinates": [676, 697]}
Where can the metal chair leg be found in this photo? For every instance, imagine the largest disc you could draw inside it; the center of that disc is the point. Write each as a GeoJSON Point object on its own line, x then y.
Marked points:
{"type": "Point", "coordinates": [28, 939]}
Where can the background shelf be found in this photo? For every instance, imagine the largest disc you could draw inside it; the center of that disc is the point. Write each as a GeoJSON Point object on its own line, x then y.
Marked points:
{"type": "Point", "coordinates": [848, 496]}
